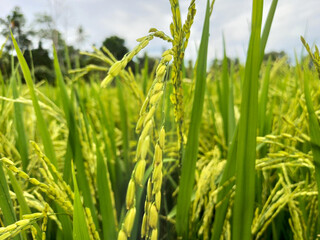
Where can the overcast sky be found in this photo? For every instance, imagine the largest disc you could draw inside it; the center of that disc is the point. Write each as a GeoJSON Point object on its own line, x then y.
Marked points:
{"type": "Point", "coordinates": [131, 19]}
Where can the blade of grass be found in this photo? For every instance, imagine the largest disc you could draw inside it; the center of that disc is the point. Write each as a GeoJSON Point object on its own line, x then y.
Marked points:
{"type": "Point", "coordinates": [246, 148]}
{"type": "Point", "coordinates": [263, 100]}
{"type": "Point", "coordinates": [224, 95]}
{"type": "Point", "coordinates": [73, 149]}
{"type": "Point", "coordinates": [81, 174]}
{"type": "Point", "coordinates": [111, 134]}
{"type": "Point", "coordinates": [124, 125]}
{"type": "Point", "coordinates": [262, 129]}
{"type": "Point", "coordinates": [80, 227]}
{"type": "Point", "coordinates": [3, 90]}
{"type": "Point", "coordinates": [71, 145]}
{"type": "Point", "coordinates": [125, 140]}
{"type": "Point", "coordinates": [266, 28]}
{"type": "Point", "coordinates": [314, 129]}
{"type": "Point", "coordinates": [105, 195]}
{"type": "Point", "coordinates": [113, 164]}
{"type": "Point", "coordinates": [24, 208]}
{"type": "Point", "coordinates": [212, 111]}
{"type": "Point", "coordinates": [264, 92]}
{"type": "Point", "coordinates": [42, 126]}
{"type": "Point", "coordinates": [228, 173]}
{"type": "Point", "coordinates": [19, 122]}
{"type": "Point", "coordinates": [6, 206]}
{"type": "Point", "coordinates": [68, 111]}
{"type": "Point", "coordinates": [230, 166]}
{"type": "Point", "coordinates": [191, 150]}
{"type": "Point", "coordinates": [5, 200]}
{"type": "Point", "coordinates": [231, 117]}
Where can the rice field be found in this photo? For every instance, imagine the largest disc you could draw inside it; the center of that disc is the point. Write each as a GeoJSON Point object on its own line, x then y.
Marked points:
{"type": "Point", "coordinates": [230, 152]}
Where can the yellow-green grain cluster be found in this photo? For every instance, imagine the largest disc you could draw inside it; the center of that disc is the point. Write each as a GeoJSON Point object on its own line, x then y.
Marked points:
{"type": "Point", "coordinates": [145, 125]}
{"type": "Point", "coordinates": [149, 228]}
{"type": "Point", "coordinates": [180, 36]}
{"type": "Point", "coordinates": [56, 192]}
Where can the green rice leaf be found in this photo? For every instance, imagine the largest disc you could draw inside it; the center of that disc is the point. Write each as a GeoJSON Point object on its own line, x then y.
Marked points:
{"type": "Point", "coordinates": [80, 227]}
{"type": "Point", "coordinates": [226, 99]}
{"type": "Point", "coordinates": [74, 145]}
{"type": "Point", "coordinates": [3, 90]}
{"type": "Point", "coordinates": [21, 138]}
{"type": "Point", "coordinates": [212, 110]}
{"type": "Point", "coordinates": [110, 126]}
{"type": "Point", "coordinates": [81, 174]}
{"type": "Point", "coordinates": [24, 208]}
{"type": "Point", "coordinates": [19, 194]}
{"type": "Point", "coordinates": [191, 150]}
{"type": "Point", "coordinates": [5, 201]}
{"type": "Point", "coordinates": [228, 173]}
{"type": "Point", "coordinates": [113, 164]}
{"type": "Point", "coordinates": [68, 111]}
{"type": "Point", "coordinates": [263, 100]}
{"type": "Point", "coordinates": [246, 148]}
{"type": "Point", "coordinates": [267, 27]}
{"type": "Point", "coordinates": [314, 129]}
{"type": "Point", "coordinates": [231, 116]}
{"type": "Point", "coordinates": [224, 96]}
{"type": "Point", "coordinates": [105, 195]}
{"type": "Point", "coordinates": [42, 126]}
{"type": "Point", "coordinates": [124, 125]}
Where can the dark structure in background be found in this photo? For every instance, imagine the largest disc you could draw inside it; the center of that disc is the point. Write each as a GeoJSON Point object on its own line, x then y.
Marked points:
{"type": "Point", "coordinates": [116, 46]}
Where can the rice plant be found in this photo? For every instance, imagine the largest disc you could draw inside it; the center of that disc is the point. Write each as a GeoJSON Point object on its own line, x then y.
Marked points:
{"type": "Point", "coordinates": [229, 153]}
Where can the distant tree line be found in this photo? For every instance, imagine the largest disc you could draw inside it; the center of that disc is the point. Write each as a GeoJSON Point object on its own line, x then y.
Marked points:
{"type": "Point", "coordinates": [44, 29]}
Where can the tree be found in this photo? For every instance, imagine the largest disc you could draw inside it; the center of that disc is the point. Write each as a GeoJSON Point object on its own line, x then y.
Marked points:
{"type": "Point", "coordinates": [274, 55]}
{"type": "Point", "coordinates": [40, 56]}
{"type": "Point", "coordinates": [46, 29]}
{"type": "Point", "coordinates": [16, 22]}
{"type": "Point", "coordinates": [116, 46]}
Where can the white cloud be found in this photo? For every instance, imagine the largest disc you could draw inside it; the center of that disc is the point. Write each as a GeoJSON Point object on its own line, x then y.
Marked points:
{"type": "Point", "coordinates": [132, 19]}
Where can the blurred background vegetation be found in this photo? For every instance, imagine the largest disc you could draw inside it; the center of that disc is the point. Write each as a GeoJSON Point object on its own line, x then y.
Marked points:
{"type": "Point", "coordinates": [31, 38]}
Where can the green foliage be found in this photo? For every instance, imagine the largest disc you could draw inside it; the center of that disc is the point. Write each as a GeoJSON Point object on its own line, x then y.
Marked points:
{"type": "Point", "coordinates": [246, 147]}
{"type": "Point", "coordinates": [314, 127]}
{"type": "Point", "coordinates": [80, 229]}
{"type": "Point", "coordinates": [6, 203]}
{"type": "Point", "coordinates": [21, 138]}
{"type": "Point", "coordinates": [191, 150]}
{"type": "Point", "coordinates": [41, 122]}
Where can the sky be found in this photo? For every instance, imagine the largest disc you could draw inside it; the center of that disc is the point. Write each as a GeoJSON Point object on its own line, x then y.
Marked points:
{"type": "Point", "coordinates": [131, 20]}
